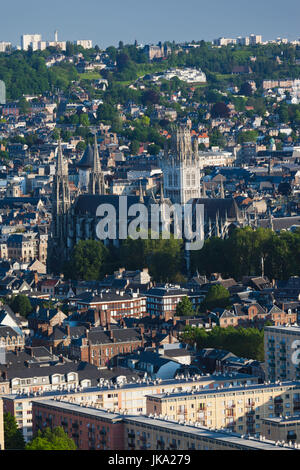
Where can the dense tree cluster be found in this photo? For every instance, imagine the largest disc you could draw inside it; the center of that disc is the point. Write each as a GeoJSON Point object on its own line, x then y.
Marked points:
{"type": "Point", "coordinates": [241, 254]}
{"type": "Point", "coordinates": [55, 439]}
{"type": "Point", "coordinates": [90, 260]}
{"type": "Point", "coordinates": [244, 342]}
{"type": "Point", "coordinates": [26, 73]}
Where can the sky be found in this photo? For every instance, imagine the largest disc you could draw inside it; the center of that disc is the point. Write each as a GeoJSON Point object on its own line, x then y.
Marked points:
{"type": "Point", "coordinates": [107, 22]}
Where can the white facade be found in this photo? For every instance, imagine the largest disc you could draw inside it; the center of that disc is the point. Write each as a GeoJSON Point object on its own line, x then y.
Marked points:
{"type": "Point", "coordinates": [4, 46]}
{"type": "Point", "coordinates": [181, 168]}
{"type": "Point", "coordinates": [85, 43]}
{"type": "Point", "coordinates": [30, 40]}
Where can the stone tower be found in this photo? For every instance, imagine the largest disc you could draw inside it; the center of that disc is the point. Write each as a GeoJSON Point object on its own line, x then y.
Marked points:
{"type": "Point", "coordinates": [181, 168]}
{"type": "Point", "coordinates": [91, 179]}
{"type": "Point", "coordinates": [61, 202]}
{"type": "Point", "coordinates": [96, 179]}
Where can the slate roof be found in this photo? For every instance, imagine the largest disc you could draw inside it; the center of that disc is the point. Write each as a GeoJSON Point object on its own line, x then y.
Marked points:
{"type": "Point", "coordinates": [242, 309]}
{"type": "Point", "coordinates": [279, 223]}
{"type": "Point", "coordinates": [125, 335]}
{"type": "Point", "coordinates": [7, 331]}
{"type": "Point", "coordinates": [84, 370]}
{"type": "Point", "coordinates": [87, 159]}
{"type": "Point", "coordinates": [223, 207]}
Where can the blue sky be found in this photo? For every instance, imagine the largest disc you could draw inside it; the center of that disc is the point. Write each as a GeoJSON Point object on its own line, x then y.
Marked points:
{"type": "Point", "coordinates": [148, 21]}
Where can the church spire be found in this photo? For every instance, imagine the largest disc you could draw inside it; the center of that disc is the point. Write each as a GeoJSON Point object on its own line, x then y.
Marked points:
{"type": "Point", "coordinates": [222, 194]}
{"type": "Point", "coordinates": [61, 167]}
{"type": "Point", "coordinates": [61, 201]}
{"type": "Point", "coordinates": [141, 193]}
{"type": "Point", "coordinates": [96, 179]}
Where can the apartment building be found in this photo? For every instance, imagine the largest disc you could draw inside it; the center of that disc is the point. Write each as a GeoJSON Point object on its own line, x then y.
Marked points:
{"type": "Point", "coordinates": [129, 398]}
{"type": "Point", "coordinates": [162, 301]}
{"type": "Point", "coordinates": [114, 305]}
{"type": "Point", "coordinates": [102, 347]}
{"type": "Point", "coordinates": [27, 247]}
{"type": "Point", "coordinates": [93, 429]}
{"type": "Point", "coordinates": [286, 428]}
{"type": "Point", "coordinates": [239, 409]}
{"type": "Point", "coordinates": [282, 355]}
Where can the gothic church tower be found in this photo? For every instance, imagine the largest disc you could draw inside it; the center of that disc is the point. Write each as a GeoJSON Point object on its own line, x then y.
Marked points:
{"type": "Point", "coordinates": [96, 179]}
{"type": "Point", "coordinates": [181, 168]}
{"type": "Point", "coordinates": [60, 206]}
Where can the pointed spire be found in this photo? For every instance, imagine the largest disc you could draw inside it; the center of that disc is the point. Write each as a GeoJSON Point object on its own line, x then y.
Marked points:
{"type": "Point", "coordinates": [209, 227]}
{"type": "Point", "coordinates": [217, 230]}
{"type": "Point", "coordinates": [141, 193]}
{"type": "Point", "coordinates": [271, 225]}
{"type": "Point", "coordinates": [222, 194]}
{"type": "Point", "coordinates": [96, 179]}
{"type": "Point", "coordinates": [61, 167]}
{"type": "Point", "coordinates": [96, 159]}
{"type": "Point", "coordinates": [161, 191]}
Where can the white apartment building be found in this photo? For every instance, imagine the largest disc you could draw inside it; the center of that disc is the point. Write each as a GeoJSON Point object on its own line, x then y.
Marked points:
{"type": "Point", "coordinates": [32, 40]}
{"type": "Point", "coordinates": [85, 43]}
{"type": "Point", "coordinates": [5, 46]}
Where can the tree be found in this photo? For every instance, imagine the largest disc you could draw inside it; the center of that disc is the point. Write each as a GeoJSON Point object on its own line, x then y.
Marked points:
{"type": "Point", "coordinates": [150, 97]}
{"type": "Point", "coordinates": [13, 437]}
{"type": "Point", "coordinates": [247, 136]}
{"type": "Point", "coordinates": [84, 120]}
{"type": "Point", "coordinates": [80, 147]}
{"type": "Point", "coordinates": [185, 307]}
{"type": "Point", "coordinates": [48, 439]}
{"type": "Point", "coordinates": [134, 147]}
{"type": "Point", "coordinates": [246, 89]}
{"type": "Point", "coordinates": [220, 109]}
{"type": "Point", "coordinates": [86, 261]}
{"type": "Point", "coordinates": [244, 342]}
{"type": "Point", "coordinates": [24, 106]}
{"type": "Point", "coordinates": [21, 304]}
{"type": "Point", "coordinates": [217, 297]}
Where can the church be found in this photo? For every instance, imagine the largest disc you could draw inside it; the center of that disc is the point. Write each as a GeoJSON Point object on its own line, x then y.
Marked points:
{"type": "Point", "coordinates": [77, 219]}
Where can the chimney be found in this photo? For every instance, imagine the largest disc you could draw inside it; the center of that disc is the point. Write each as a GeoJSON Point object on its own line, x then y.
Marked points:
{"type": "Point", "coordinates": [111, 334]}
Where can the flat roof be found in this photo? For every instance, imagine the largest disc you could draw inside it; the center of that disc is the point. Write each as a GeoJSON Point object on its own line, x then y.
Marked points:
{"type": "Point", "coordinates": [193, 431]}
{"type": "Point", "coordinates": [253, 387]}
{"type": "Point", "coordinates": [89, 390]}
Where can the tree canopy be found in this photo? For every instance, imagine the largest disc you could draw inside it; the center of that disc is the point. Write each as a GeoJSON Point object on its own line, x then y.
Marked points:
{"type": "Point", "coordinates": [13, 436]}
{"type": "Point", "coordinates": [185, 307]}
{"type": "Point", "coordinates": [48, 439]}
{"type": "Point", "coordinates": [244, 342]}
{"type": "Point", "coordinates": [86, 261]}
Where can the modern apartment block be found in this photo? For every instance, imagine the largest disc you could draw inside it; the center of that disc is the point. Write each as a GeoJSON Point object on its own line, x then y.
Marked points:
{"type": "Point", "coordinates": [282, 354]}
{"type": "Point", "coordinates": [285, 429]}
{"type": "Point", "coordinates": [93, 429]}
{"type": "Point", "coordinates": [2, 92]}
{"type": "Point", "coordinates": [129, 398]}
{"type": "Point", "coordinates": [240, 409]}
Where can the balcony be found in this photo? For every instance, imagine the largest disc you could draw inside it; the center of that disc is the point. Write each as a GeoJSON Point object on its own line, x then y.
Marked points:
{"type": "Point", "coordinates": [296, 405]}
